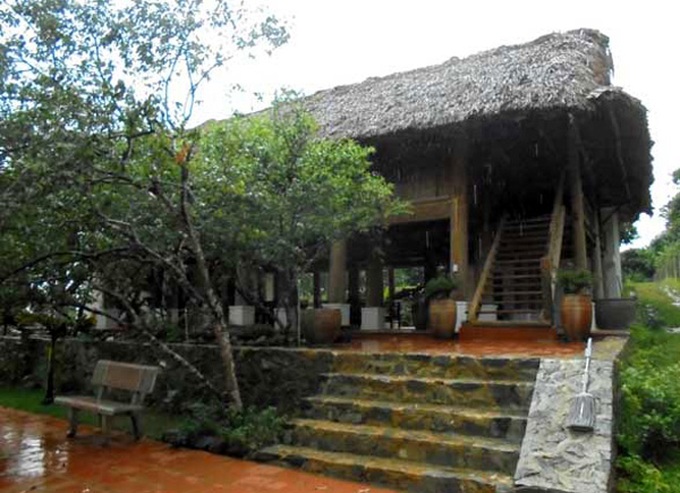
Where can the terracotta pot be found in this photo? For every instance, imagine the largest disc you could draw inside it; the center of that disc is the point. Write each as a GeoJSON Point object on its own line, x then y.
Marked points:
{"type": "Point", "coordinates": [614, 313]}
{"type": "Point", "coordinates": [442, 320]}
{"type": "Point", "coordinates": [576, 314]}
{"type": "Point", "coordinates": [321, 325]}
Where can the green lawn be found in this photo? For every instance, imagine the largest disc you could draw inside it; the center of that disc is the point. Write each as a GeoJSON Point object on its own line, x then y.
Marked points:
{"type": "Point", "coordinates": [154, 423]}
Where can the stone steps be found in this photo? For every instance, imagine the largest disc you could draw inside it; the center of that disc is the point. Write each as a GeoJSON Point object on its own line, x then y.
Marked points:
{"type": "Point", "coordinates": [426, 423]}
{"type": "Point", "coordinates": [395, 473]}
{"type": "Point", "coordinates": [441, 366]}
{"type": "Point", "coordinates": [441, 449]}
{"type": "Point", "coordinates": [439, 418]}
{"type": "Point", "coordinates": [488, 394]}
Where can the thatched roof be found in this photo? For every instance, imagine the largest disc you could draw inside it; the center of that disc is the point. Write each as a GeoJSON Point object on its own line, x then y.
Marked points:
{"type": "Point", "coordinates": [555, 71]}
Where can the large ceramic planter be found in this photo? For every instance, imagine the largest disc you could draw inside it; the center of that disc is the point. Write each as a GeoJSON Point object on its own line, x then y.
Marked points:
{"type": "Point", "coordinates": [321, 325]}
{"type": "Point", "coordinates": [442, 318]}
{"type": "Point", "coordinates": [576, 314]}
{"type": "Point", "coordinates": [614, 313]}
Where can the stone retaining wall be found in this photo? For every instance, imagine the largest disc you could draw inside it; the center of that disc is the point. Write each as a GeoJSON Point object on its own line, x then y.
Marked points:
{"type": "Point", "coordinates": [555, 459]}
{"type": "Point", "coordinates": [267, 376]}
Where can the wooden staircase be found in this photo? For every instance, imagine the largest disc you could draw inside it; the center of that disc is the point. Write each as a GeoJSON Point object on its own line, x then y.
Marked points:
{"type": "Point", "coordinates": [513, 291]}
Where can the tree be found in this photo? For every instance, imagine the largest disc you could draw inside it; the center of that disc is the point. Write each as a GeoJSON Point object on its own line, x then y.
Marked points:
{"type": "Point", "coordinates": [95, 154]}
{"type": "Point", "coordinates": [286, 194]}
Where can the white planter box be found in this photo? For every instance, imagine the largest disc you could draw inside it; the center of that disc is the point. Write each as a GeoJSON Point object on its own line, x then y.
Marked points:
{"type": "Point", "coordinates": [488, 317]}
{"type": "Point", "coordinates": [241, 315]}
{"type": "Point", "coordinates": [344, 311]}
{"type": "Point", "coordinates": [280, 313]}
{"type": "Point", "coordinates": [373, 318]}
{"type": "Point", "coordinates": [461, 313]}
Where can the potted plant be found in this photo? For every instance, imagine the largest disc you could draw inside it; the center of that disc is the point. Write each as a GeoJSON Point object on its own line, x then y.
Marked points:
{"type": "Point", "coordinates": [576, 308]}
{"type": "Point", "coordinates": [442, 308]}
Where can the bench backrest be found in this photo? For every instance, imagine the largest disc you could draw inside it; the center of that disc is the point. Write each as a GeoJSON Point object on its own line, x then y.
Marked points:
{"type": "Point", "coordinates": [138, 379]}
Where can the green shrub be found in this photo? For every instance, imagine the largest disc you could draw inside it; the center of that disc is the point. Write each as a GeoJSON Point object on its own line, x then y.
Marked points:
{"type": "Point", "coordinates": [575, 281]}
{"type": "Point", "coordinates": [639, 476]}
{"type": "Point", "coordinates": [650, 424]}
{"type": "Point", "coordinates": [236, 433]}
{"type": "Point", "coordinates": [440, 287]}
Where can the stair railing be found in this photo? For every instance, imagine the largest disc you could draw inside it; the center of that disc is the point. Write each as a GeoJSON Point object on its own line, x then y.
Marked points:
{"type": "Point", "coordinates": [476, 302]}
{"type": "Point", "coordinates": [550, 263]}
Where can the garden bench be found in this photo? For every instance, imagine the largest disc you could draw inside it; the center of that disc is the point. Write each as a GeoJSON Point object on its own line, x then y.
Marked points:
{"type": "Point", "coordinates": [123, 379]}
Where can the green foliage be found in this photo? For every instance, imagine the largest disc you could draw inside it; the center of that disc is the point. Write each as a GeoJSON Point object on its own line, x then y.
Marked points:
{"type": "Point", "coordinates": [575, 281]}
{"type": "Point", "coordinates": [638, 264]}
{"type": "Point", "coordinates": [237, 433]}
{"type": "Point", "coordinates": [649, 425]}
{"type": "Point", "coordinates": [440, 287]}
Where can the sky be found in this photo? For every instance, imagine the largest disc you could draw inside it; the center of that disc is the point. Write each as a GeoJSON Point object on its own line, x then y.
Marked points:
{"type": "Point", "coordinates": [343, 42]}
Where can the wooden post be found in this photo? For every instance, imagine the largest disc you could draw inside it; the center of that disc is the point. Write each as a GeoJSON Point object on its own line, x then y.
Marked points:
{"type": "Point", "coordinates": [577, 206]}
{"type": "Point", "coordinates": [597, 258]}
{"type": "Point", "coordinates": [390, 283]}
{"type": "Point", "coordinates": [316, 281]}
{"type": "Point", "coordinates": [338, 263]}
{"type": "Point", "coordinates": [374, 281]}
{"type": "Point", "coordinates": [458, 241]}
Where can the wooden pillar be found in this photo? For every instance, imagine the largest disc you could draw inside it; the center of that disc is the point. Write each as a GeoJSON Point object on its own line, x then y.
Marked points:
{"type": "Point", "coordinates": [458, 240]}
{"type": "Point", "coordinates": [374, 281]}
{"type": "Point", "coordinates": [353, 295]}
{"type": "Point", "coordinates": [577, 206]}
{"type": "Point", "coordinates": [338, 263]}
{"type": "Point", "coordinates": [597, 259]}
{"type": "Point", "coordinates": [316, 281]}
{"type": "Point", "coordinates": [390, 283]}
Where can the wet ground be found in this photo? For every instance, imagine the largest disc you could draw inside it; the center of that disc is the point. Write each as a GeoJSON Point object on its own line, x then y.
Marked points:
{"type": "Point", "coordinates": [36, 457]}
{"type": "Point", "coordinates": [417, 343]}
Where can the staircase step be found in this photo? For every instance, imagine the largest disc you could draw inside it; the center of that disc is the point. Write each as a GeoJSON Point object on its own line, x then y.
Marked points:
{"type": "Point", "coordinates": [500, 277]}
{"type": "Point", "coordinates": [493, 424]}
{"type": "Point", "coordinates": [437, 366]}
{"type": "Point", "coordinates": [507, 394]}
{"type": "Point", "coordinates": [534, 260]}
{"type": "Point", "coordinates": [519, 293]}
{"type": "Point", "coordinates": [439, 449]}
{"type": "Point", "coordinates": [395, 473]}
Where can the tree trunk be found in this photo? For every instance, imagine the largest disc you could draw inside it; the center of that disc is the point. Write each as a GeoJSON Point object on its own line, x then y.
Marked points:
{"type": "Point", "coordinates": [219, 320]}
{"type": "Point", "coordinates": [49, 386]}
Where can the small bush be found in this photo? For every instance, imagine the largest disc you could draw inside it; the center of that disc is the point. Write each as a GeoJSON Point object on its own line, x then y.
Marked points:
{"type": "Point", "coordinates": [440, 287]}
{"type": "Point", "coordinates": [651, 410]}
{"type": "Point", "coordinates": [235, 433]}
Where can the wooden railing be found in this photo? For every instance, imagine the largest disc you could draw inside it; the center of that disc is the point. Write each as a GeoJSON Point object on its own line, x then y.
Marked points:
{"type": "Point", "coordinates": [550, 263]}
{"type": "Point", "coordinates": [484, 277]}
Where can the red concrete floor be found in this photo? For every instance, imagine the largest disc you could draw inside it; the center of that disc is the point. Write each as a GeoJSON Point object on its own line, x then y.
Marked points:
{"type": "Point", "coordinates": [36, 457]}
{"type": "Point", "coordinates": [424, 343]}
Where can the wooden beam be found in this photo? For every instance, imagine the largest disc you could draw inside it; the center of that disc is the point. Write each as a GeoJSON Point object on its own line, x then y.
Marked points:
{"type": "Point", "coordinates": [459, 259]}
{"type": "Point", "coordinates": [430, 209]}
{"type": "Point", "coordinates": [486, 272]}
{"type": "Point", "coordinates": [374, 281]}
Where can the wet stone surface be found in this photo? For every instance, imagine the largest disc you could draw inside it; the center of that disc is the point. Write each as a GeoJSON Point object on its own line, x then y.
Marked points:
{"type": "Point", "coordinates": [36, 457]}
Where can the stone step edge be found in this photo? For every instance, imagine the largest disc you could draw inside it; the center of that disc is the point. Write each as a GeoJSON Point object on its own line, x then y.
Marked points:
{"type": "Point", "coordinates": [390, 433]}
{"type": "Point", "coordinates": [466, 412]}
{"type": "Point", "coordinates": [433, 380]}
{"type": "Point", "coordinates": [393, 466]}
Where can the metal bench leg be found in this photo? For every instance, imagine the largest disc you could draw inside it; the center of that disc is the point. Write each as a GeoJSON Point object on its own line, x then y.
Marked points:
{"type": "Point", "coordinates": [73, 422]}
{"type": "Point", "coordinates": [136, 419]}
{"type": "Point", "coordinates": [105, 422]}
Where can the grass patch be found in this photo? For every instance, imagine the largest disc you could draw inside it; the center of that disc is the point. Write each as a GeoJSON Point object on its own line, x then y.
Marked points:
{"type": "Point", "coordinates": [154, 423]}
{"type": "Point", "coordinates": [655, 304]}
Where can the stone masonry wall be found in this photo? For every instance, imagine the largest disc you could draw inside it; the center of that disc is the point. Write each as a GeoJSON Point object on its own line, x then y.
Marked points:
{"type": "Point", "coordinates": [555, 459]}
{"type": "Point", "coordinates": [279, 377]}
